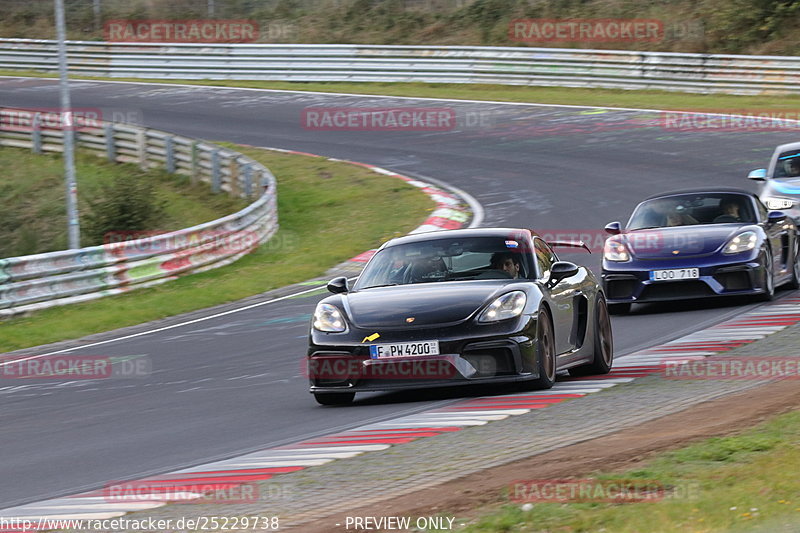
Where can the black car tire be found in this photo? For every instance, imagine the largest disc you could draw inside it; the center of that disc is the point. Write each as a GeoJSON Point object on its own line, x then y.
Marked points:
{"type": "Point", "coordinates": [768, 281]}
{"type": "Point", "coordinates": [545, 354]}
{"type": "Point", "coordinates": [334, 398]}
{"type": "Point", "coordinates": [603, 344]}
{"type": "Point", "coordinates": [619, 309]}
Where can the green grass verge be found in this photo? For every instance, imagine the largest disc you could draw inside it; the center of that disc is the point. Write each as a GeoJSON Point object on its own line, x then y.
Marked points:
{"type": "Point", "coordinates": [328, 211]}
{"type": "Point", "coordinates": [33, 218]}
{"type": "Point", "coordinates": [543, 95]}
{"type": "Point", "coordinates": [746, 482]}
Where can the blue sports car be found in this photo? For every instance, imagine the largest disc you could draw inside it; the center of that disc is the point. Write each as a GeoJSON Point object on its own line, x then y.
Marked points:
{"type": "Point", "coordinates": [699, 243]}
{"type": "Point", "coordinates": [779, 185]}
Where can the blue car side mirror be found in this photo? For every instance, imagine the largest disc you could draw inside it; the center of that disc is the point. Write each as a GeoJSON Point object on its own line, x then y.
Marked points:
{"type": "Point", "coordinates": [614, 228]}
{"type": "Point", "coordinates": [759, 174]}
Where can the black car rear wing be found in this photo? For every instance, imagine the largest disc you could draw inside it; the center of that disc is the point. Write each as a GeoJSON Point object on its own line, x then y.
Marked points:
{"type": "Point", "coordinates": [569, 244]}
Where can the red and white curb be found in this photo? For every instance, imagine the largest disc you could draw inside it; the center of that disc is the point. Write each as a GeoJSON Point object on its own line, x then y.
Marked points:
{"type": "Point", "coordinates": [258, 466]}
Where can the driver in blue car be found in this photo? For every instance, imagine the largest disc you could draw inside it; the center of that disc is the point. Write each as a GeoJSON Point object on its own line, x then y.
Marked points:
{"type": "Point", "coordinates": [730, 211]}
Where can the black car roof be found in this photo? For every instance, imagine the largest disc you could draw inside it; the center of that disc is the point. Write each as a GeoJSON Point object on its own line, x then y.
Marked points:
{"type": "Point", "coordinates": [455, 234]}
{"type": "Point", "coordinates": [710, 190]}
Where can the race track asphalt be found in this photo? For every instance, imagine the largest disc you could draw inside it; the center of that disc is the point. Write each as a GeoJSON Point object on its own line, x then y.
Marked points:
{"type": "Point", "coordinates": [234, 384]}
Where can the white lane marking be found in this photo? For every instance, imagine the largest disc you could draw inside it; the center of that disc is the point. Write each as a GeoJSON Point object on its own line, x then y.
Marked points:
{"type": "Point", "coordinates": [486, 410]}
{"type": "Point", "coordinates": [244, 465]}
{"type": "Point", "coordinates": [424, 424]}
{"type": "Point", "coordinates": [602, 383]}
{"type": "Point", "coordinates": [362, 447]}
{"type": "Point", "coordinates": [165, 328]}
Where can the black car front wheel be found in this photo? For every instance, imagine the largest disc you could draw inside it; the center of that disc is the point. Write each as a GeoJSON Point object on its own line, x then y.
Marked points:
{"type": "Point", "coordinates": [545, 354]}
{"type": "Point", "coordinates": [603, 343]}
{"type": "Point", "coordinates": [334, 398]}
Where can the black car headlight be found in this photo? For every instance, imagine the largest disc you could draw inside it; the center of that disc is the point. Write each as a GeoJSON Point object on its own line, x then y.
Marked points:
{"type": "Point", "coordinates": [329, 319]}
{"type": "Point", "coordinates": [507, 306]}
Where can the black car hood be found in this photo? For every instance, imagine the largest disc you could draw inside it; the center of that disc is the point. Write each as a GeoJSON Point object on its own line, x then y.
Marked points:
{"type": "Point", "coordinates": [428, 303]}
{"type": "Point", "coordinates": [681, 241]}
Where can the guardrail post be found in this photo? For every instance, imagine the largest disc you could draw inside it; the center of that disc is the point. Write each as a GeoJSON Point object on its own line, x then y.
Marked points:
{"type": "Point", "coordinates": [111, 146]}
{"type": "Point", "coordinates": [169, 153]}
{"type": "Point", "coordinates": [248, 180]}
{"type": "Point", "coordinates": [141, 145]}
{"type": "Point", "coordinates": [195, 166]}
{"type": "Point", "coordinates": [216, 175]}
{"type": "Point", "coordinates": [236, 188]}
{"type": "Point", "coordinates": [36, 135]}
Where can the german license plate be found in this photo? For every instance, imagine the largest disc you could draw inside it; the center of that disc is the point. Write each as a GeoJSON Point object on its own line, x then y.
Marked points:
{"type": "Point", "coordinates": [403, 349]}
{"type": "Point", "coordinates": [675, 274]}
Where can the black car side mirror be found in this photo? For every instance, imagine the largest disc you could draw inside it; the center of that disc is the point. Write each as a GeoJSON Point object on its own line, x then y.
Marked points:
{"type": "Point", "coordinates": [338, 285]}
{"type": "Point", "coordinates": [561, 270]}
{"type": "Point", "coordinates": [614, 228]}
{"type": "Point", "coordinates": [775, 217]}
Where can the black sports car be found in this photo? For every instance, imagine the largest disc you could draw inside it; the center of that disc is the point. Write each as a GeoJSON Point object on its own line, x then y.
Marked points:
{"type": "Point", "coordinates": [458, 307]}
{"type": "Point", "coordinates": [698, 243]}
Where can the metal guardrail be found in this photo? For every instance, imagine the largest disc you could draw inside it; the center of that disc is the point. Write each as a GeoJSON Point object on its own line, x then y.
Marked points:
{"type": "Point", "coordinates": [38, 281]}
{"type": "Point", "coordinates": [703, 73]}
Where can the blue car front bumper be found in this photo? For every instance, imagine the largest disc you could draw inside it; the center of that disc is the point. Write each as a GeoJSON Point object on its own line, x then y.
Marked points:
{"type": "Point", "coordinates": [631, 282]}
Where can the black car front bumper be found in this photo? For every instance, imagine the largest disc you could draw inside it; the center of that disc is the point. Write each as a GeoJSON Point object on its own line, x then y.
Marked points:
{"type": "Point", "coordinates": [469, 353]}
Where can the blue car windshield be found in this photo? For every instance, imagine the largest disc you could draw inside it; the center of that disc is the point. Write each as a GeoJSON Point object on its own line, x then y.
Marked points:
{"type": "Point", "coordinates": [692, 209]}
{"type": "Point", "coordinates": [450, 259]}
{"type": "Point", "coordinates": [788, 165]}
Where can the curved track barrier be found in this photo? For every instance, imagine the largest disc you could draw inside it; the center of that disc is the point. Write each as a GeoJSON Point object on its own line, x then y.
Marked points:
{"type": "Point", "coordinates": [702, 73]}
{"type": "Point", "coordinates": [38, 281]}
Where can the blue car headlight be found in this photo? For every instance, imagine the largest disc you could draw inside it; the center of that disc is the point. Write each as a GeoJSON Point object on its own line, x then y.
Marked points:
{"type": "Point", "coordinates": [329, 319]}
{"type": "Point", "coordinates": [616, 250]}
{"type": "Point", "coordinates": [778, 204]}
{"type": "Point", "coordinates": [507, 306]}
{"type": "Point", "coordinates": [742, 242]}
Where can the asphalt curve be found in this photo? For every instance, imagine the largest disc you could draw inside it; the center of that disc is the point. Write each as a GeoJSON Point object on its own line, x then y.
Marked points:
{"type": "Point", "coordinates": [234, 383]}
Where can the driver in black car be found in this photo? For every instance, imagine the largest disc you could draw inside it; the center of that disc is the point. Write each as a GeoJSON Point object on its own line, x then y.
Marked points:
{"type": "Point", "coordinates": [507, 262]}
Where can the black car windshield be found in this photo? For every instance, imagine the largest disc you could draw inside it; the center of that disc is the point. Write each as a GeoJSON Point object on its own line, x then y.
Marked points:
{"type": "Point", "coordinates": [448, 260]}
{"type": "Point", "coordinates": [691, 209]}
